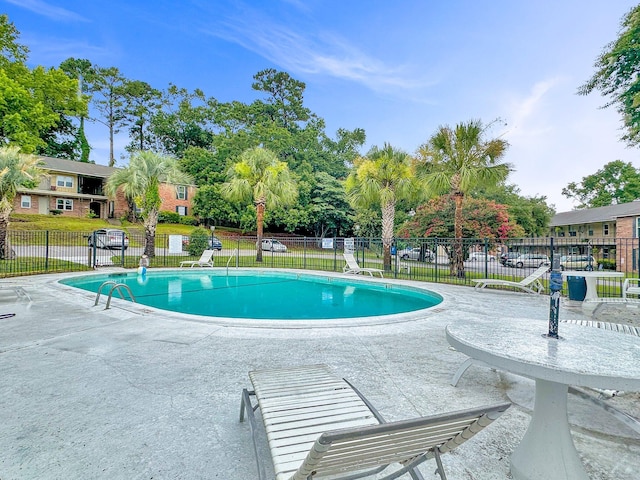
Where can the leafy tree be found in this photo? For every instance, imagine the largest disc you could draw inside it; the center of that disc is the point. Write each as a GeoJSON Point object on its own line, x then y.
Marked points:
{"type": "Point", "coordinates": [140, 181]}
{"type": "Point", "coordinates": [383, 177]}
{"type": "Point", "coordinates": [210, 204]}
{"type": "Point", "coordinates": [482, 219]}
{"type": "Point", "coordinates": [329, 206]}
{"type": "Point", "coordinates": [205, 166]}
{"type": "Point", "coordinates": [16, 170]}
{"type": "Point", "coordinates": [457, 160]}
{"type": "Point", "coordinates": [81, 70]}
{"type": "Point", "coordinates": [141, 102]}
{"type": "Point", "coordinates": [33, 102]}
{"type": "Point", "coordinates": [618, 75]}
{"type": "Point", "coordinates": [260, 177]}
{"type": "Point", "coordinates": [108, 102]}
{"type": "Point", "coordinates": [533, 214]}
{"type": "Point", "coordinates": [10, 50]}
{"type": "Point", "coordinates": [185, 122]}
{"type": "Point", "coordinates": [617, 182]}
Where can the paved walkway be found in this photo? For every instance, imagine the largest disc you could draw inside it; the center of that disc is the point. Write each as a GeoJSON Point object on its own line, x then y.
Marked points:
{"type": "Point", "coordinates": [131, 393]}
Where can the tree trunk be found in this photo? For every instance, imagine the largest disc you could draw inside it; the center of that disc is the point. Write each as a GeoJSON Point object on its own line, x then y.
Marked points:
{"type": "Point", "coordinates": [457, 267]}
{"type": "Point", "coordinates": [388, 215]}
{"type": "Point", "coordinates": [112, 160]}
{"type": "Point", "coordinates": [150, 224]}
{"type": "Point", "coordinates": [259, 225]}
{"type": "Point", "coordinates": [5, 251]}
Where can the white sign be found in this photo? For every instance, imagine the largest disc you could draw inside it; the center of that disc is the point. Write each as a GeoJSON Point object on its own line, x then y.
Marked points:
{"type": "Point", "coordinates": [349, 245]}
{"type": "Point", "coordinates": [175, 243]}
{"type": "Point", "coordinates": [327, 243]}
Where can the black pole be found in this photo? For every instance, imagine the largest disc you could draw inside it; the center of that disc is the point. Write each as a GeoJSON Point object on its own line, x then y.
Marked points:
{"type": "Point", "coordinates": [555, 286]}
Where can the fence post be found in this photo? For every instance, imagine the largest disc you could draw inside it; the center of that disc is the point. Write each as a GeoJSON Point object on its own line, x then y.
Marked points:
{"type": "Point", "coordinates": [46, 251]}
{"type": "Point", "coordinates": [486, 257]}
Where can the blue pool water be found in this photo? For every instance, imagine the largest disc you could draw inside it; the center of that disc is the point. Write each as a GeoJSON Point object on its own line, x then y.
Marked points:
{"type": "Point", "coordinates": [262, 295]}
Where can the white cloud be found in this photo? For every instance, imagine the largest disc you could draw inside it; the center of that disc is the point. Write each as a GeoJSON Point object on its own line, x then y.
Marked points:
{"type": "Point", "coordinates": [50, 11]}
{"type": "Point", "coordinates": [323, 53]}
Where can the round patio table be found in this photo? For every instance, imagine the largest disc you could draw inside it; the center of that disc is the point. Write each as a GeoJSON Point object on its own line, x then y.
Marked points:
{"type": "Point", "coordinates": [582, 356]}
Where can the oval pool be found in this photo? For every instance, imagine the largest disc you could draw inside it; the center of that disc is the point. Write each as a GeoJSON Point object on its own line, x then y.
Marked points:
{"type": "Point", "coordinates": [273, 295]}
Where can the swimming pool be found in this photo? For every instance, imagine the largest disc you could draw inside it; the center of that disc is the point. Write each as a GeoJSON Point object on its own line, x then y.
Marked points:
{"type": "Point", "coordinates": [273, 295]}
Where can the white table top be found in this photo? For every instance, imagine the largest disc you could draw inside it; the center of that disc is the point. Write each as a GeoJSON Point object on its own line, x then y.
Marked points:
{"type": "Point", "coordinates": [592, 273]}
{"type": "Point", "coordinates": [583, 356]}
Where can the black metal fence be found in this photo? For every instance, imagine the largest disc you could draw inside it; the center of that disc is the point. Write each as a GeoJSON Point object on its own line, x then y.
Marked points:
{"type": "Point", "coordinates": [421, 259]}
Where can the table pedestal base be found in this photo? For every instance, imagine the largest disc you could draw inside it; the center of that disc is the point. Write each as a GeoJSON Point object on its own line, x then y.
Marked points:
{"type": "Point", "coordinates": [547, 451]}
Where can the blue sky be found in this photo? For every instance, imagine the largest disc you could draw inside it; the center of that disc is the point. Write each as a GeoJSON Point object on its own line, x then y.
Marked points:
{"type": "Point", "coordinates": [397, 69]}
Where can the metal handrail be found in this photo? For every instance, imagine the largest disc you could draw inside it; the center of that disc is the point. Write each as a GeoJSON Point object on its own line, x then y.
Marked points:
{"type": "Point", "coordinates": [234, 253]}
{"type": "Point", "coordinates": [116, 287]}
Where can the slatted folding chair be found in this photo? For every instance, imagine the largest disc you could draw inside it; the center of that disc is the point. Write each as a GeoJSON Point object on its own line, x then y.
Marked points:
{"type": "Point", "coordinates": [319, 425]}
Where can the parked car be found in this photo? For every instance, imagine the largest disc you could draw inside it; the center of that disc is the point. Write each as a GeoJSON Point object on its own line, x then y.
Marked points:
{"type": "Point", "coordinates": [109, 238]}
{"type": "Point", "coordinates": [529, 260]}
{"type": "Point", "coordinates": [577, 262]}
{"type": "Point", "coordinates": [214, 242]}
{"type": "Point", "coordinates": [273, 245]}
{"type": "Point", "coordinates": [481, 256]}
{"type": "Point", "coordinates": [505, 257]}
{"type": "Point", "coordinates": [414, 254]}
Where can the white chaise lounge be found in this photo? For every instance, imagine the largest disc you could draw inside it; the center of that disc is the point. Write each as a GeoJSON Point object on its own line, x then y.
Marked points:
{"type": "Point", "coordinates": [206, 260]}
{"type": "Point", "coordinates": [353, 267]}
{"type": "Point", "coordinates": [318, 425]}
{"type": "Point", "coordinates": [530, 284]}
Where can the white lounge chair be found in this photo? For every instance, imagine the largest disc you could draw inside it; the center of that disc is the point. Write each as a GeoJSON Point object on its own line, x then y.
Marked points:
{"type": "Point", "coordinates": [206, 260]}
{"type": "Point", "coordinates": [353, 267]}
{"type": "Point", "coordinates": [319, 425]}
{"type": "Point", "coordinates": [530, 284]}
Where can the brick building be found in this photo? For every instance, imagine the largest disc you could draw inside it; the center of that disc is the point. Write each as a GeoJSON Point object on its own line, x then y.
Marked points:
{"type": "Point", "coordinates": [77, 189]}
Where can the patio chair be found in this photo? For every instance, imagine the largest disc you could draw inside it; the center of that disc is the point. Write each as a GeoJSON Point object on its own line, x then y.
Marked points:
{"type": "Point", "coordinates": [319, 425]}
{"type": "Point", "coordinates": [353, 267]}
{"type": "Point", "coordinates": [530, 284]}
{"type": "Point", "coordinates": [206, 260]}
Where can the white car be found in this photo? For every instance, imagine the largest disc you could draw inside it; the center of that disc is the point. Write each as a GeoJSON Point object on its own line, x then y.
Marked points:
{"type": "Point", "coordinates": [414, 254]}
{"type": "Point", "coordinates": [110, 238]}
{"type": "Point", "coordinates": [273, 245]}
{"type": "Point", "coordinates": [481, 256]}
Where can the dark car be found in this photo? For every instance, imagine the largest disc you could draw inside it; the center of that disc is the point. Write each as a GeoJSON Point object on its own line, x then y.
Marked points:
{"type": "Point", "coordinates": [109, 238]}
{"type": "Point", "coordinates": [214, 242]}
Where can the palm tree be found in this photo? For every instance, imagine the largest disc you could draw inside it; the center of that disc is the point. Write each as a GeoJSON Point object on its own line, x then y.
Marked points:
{"type": "Point", "coordinates": [260, 177]}
{"type": "Point", "coordinates": [458, 160]}
{"type": "Point", "coordinates": [382, 178]}
{"type": "Point", "coordinates": [16, 170]}
{"type": "Point", "coordinates": [140, 182]}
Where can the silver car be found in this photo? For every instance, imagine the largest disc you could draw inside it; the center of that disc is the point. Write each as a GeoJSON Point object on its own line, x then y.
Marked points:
{"type": "Point", "coordinates": [529, 260]}
{"type": "Point", "coordinates": [273, 245]}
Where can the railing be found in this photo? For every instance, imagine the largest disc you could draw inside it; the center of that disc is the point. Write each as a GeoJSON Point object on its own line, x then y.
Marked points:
{"type": "Point", "coordinates": [422, 259]}
{"type": "Point", "coordinates": [115, 287]}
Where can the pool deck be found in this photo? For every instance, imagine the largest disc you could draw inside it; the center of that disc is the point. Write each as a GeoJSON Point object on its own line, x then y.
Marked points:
{"type": "Point", "coordinates": [129, 393]}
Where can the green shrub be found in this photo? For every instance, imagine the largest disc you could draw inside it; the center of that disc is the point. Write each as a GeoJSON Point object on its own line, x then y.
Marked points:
{"type": "Point", "coordinates": [607, 263]}
{"type": "Point", "coordinates": [168, 217]}
{"type": "Point", "coordinates": [187, 220]}
{"type": "Point", "coordinates": [198, 242]}
{"type": "Point", "coordinates": [55, 212]}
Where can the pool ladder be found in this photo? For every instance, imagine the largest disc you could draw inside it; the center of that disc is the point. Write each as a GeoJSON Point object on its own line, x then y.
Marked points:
{"type": "Point", "coordinates": [116, 287]}
{"type": "Point", "coordinates": [231, 257]}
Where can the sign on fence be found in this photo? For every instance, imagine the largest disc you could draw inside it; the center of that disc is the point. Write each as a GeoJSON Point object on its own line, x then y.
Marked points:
{"type": "Point", "coordinates": [327, 243]}
{"type": "Point", "coordinates": [349, 245]}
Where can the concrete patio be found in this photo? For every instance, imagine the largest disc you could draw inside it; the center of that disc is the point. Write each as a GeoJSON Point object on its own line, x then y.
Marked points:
{"type": "Point", "coordinates": [132, 393]}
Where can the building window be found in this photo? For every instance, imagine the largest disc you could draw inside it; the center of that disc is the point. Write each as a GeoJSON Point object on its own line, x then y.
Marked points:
{"type": "Point", "coordinates": [590, 232]}
{"type": "Point", "coordinates": [25, 201]}
{"type": "Point", "coordinates": [572, 231]}
{"type": "Point", "coordinates": [64, 204]}
{"type": "Point", "coordinates": [181, 210]}
{"type": "Point", "coordinates": [605, 229]}
{"type": "Point", "coordinates": [181, 192]}
{"type": "Point", "coordinates": [63, 181]}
